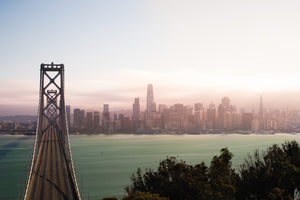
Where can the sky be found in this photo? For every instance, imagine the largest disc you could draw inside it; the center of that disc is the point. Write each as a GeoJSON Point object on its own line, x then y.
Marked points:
{"type": "Point", "coordinates": [191, 51]}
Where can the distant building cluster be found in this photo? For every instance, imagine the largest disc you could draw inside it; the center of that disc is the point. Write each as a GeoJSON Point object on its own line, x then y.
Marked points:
{"type": "Point", "coordinates": [18, 124]}
{"type": "Point", "coordinates": [161, 118]}
{"type": "Point", "coordinates": [182, 118]}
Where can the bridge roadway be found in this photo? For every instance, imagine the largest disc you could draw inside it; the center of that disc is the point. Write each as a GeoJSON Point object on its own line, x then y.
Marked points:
{"type": "Point", "coordinates": [51, 177]}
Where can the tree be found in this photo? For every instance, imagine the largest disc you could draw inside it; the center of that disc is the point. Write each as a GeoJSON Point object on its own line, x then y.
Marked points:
{"type": "Point", "coordinates": [220, 176]}
{"type": "Point", "coordinates": [178, 181]}
{"type": "Point", "coordinates": [172, 179]}
{"type": "Point", "coordinates": [273, 174]}
{"type": "Point", "coordinates": [277, 167]}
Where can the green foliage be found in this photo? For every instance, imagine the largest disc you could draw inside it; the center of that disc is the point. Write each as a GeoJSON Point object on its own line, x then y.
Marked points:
{"type": "Point", "coordinates": [278, 167]}
{"type": "Point", "coordinates": [178, 181]}
{"type": "Point", "coordinates": [273, 174]}
{"type": "Point", "coordinates": [144, 196]}
{"type": "Point", "coordinates": [220, 176]}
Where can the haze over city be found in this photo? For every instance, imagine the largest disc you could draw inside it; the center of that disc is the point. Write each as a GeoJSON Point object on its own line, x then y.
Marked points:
{"type": "Point", "coordinates": [191, 51]}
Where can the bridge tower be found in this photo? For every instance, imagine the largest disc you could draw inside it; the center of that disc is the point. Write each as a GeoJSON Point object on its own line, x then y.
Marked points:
{"type": "Point", "coordinates": [52, 174]}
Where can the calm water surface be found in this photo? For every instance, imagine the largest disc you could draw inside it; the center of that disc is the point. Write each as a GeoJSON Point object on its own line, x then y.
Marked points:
{"type": "Point", "coordinates": [104, 163]}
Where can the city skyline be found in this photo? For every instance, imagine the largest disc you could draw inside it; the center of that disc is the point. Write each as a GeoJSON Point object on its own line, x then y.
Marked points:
{"type": "Point", "coordinates": [165, 119]}
{"type": "Point", "coordinates": [193, 51]}
{"type": "Point", "coordinates": [198, 118]}
{"type": "Point", "coordinates": [254, 105]}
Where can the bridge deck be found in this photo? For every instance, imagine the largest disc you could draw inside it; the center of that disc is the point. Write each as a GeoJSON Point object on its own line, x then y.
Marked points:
{"type": "Point", "coordinates": [51, 177]}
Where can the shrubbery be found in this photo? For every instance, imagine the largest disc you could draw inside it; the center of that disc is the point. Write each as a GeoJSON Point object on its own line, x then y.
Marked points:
{"type": "Point", "coordinates": [273, 174]}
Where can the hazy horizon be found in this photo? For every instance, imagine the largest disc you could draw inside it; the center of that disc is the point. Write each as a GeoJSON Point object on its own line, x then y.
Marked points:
{"type": "Point", "coordinates": [248, 102]}
{"type": "Point", "coordinates": [191, 51]}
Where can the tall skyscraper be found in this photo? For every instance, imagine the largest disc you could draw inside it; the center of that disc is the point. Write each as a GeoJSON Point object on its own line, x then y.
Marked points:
{"type": "Point", "coordinates": [136, 109]}
{"type": "Point", "coordinates": [68, 112]}
{"type": "Point", "coordinates": [226, 103]}
{"type": "Point", "coordinates": [136, 122]}
{"type": "Point", "coordinates": [261, 114]}
{"type": "Point", "coordinates": [89, 120]}
{"type": "Point", "coordinates": [151, 106]}
{"type": "Point", "coordinates": [81, 119]}
{"type": "Point", "coordinates": [211, 116]}
{"type": "Point", "coordinates": [247, 121]}
{"type": "Point", "coordinates": [76, 123]}
{"type": "Point", "coordinates": [96, 120]}
{"type": "Point", "coordinates": [106, 124]}
{"type": "Point", "coordinates": [197, 111]}
{"type": "Point", "coordinates": [106, 112]}
{"type": "Point", "coordinates": [221, 116]}
{"type": "Point", "coordinates": [78, 118]}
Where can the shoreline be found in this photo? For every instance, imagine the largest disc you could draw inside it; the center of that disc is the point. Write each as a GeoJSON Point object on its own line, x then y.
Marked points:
{"type": "Point", "coordinates": [165, 133]}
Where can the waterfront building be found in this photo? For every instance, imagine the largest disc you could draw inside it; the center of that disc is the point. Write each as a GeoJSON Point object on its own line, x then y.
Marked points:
{"type": "Point", "coordinates": [255, 125]}
{"type": "Point", "coordinates": [76, 117]}
{"type": "Point", "coordinates": [136, 110]}
{"type": "Point", "coordinates": [174, 117]}
{"type": "Point", "coordinates": [79, 118]}
{"type": "Point", "coordinates": [188, 112]}
{"type": "Point", "coordinates": [221, 117]}
{"type": "Point", "coordinates": [198, 107]}
{"type": "Point", "coordinates": [96, 120]}
{"type": "Point", "coordinates": [106, 116]}
{"type": "Point", "coordinates": [211, 115]}
{"type": "Point", "coordinates": [117, 125]}
{"type": "Point", "coordinates": [229, 120]}
{"type": "Point", "coordinates": [261, 114]}
{"type": "Point", "coordinates": [157, 121]}
{"type": "Point", "coordinates": [106, 123]}
{"type": "Point", "coordinates": [125, 123]}
{"type": "Point", "coordinates": [89, 120]}
{"type": "Point", "coordinates": [136, 119]}
{"type": "Point", "coordinates": [247, 121]}
{"type": "Point", "coordinates": [166, 117]}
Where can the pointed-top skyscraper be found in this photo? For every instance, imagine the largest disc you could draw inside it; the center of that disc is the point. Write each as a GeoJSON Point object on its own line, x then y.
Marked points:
{"type": "Point", "coordinates": [261, 114]}
{"type": "Point", "coordinates": [150, 103]}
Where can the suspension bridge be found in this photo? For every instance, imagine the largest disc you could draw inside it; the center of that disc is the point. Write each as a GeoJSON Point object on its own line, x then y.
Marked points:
{"type": "Point", "coordinates": [52, 174]}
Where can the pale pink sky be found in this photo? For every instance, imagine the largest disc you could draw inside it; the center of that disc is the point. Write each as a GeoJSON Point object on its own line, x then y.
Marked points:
{"type": "Point", "coordinates": [191, 51]}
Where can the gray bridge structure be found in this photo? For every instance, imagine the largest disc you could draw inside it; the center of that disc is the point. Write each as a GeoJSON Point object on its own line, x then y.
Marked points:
{"type": "Point", "coordinates": [52, 175]}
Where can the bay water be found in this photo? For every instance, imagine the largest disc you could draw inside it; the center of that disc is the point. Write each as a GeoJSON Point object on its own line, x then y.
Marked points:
{"type": "Point", "coordinates": [104, 163]}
